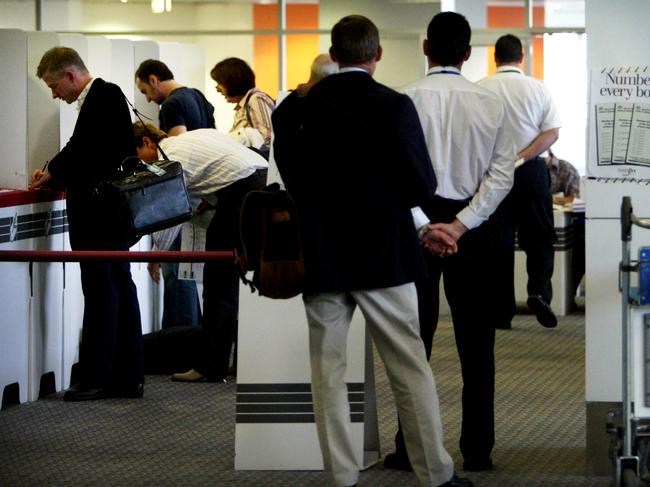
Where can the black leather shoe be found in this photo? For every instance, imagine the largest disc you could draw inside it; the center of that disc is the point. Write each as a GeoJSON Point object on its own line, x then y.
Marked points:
{"type": "Point", "coordinates": [542, 311]}
{"type": "Point", "coordinates": [503, 326]}
{"type": "Point", "coordinates": [81, 393]}
{"type": "Point", "coordinates": [397, 461]}
{"type": "Point", "coordinates": [478, 465]}
{"type": "Point", "coordinates": [457, 481]}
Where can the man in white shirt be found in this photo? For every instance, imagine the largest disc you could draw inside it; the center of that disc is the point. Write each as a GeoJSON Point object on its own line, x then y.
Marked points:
{"type": "Point", "coordinates": [472, 159]}
{"type": "Point", "coordinates": [220, 171]}
{"type": "Point", "coordinates": [534, 125]}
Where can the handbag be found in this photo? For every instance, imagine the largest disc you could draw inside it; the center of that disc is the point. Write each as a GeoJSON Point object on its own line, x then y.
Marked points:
{"type": "Point", "coordinates": [148, 197]}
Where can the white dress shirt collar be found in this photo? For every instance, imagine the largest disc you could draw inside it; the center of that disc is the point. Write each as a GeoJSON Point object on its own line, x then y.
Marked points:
{"type": "Point", "coordinates": [84, 93]}
{"type": "Point", "coordinates": [351, 69]}
{"type": "Point", "coordinates": [509, 69]}
{"type": "Point", "coordinates": [443, 70]}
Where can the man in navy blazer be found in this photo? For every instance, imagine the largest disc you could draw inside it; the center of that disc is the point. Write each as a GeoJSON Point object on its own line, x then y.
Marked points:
{"type": "Point", "coordinates": [352, 154]}
{"type": "Point", "coordinates": [110, 355]}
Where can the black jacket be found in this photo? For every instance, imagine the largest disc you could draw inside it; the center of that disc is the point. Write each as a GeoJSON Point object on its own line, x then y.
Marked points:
{"type": "Point", "coordinates": [102, 139]}
{"type": "Point", "coordinates": [353, 155]}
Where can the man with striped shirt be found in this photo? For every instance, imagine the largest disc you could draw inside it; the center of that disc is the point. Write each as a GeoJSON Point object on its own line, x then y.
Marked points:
{"type": "Point", "coordinates": [221, 172]}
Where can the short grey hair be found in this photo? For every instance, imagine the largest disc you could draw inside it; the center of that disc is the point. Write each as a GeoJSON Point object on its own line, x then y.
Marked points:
{"type": "Point", "coordinates": [57, 59]}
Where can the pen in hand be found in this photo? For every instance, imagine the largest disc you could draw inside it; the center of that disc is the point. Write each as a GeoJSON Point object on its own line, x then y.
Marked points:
{"type": "Point", "coordinates": [37, 176]}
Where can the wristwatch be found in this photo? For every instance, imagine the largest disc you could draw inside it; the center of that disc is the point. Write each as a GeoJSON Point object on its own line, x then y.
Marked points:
{"type": "Point", "coordinates": [422, 231]}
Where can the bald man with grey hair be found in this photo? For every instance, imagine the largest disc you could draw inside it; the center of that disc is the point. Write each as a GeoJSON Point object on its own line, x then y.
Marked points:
{"type": "Point", "coordinates": [321, 67]}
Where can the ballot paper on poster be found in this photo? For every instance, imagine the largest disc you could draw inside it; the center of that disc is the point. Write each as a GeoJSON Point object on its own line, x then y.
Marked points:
{"type": "Point", "coordinates": [621, 136]}
{"type": "Point", "coordinates": [639, 145]}
{"type": "Point", "coordinates": [605, 132]}
{"type": "Point", "coordinates": [619, 144]}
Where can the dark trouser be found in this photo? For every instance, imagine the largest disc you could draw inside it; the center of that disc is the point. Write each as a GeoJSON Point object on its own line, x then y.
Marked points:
{"type": "Point", "coordinates": [221, 279]}
{"type": "Point", "coordinates": [528, 209]}
{"type": "Point", "coordinates": [180, 300]}
{"type": "Point", "coordinates": [110, 354]}
{"type": "Point", "coordinates": [465, 278]}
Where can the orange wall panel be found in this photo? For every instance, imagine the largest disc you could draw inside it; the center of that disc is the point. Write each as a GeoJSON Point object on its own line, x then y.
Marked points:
{"type": "Point", "coordinates": [504, 17]}
{"type": "Point", "coordinates": [301, 49]}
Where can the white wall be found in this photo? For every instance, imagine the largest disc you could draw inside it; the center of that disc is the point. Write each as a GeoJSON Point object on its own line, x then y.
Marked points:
{"type": "Point", "coordinates": [13, 98]}
{"type": "Point", "coordinates": [184, 17]}
{"type": "Point", "coordinates": [62, 15]}
{"type": "Point", "coordinates": [386, 14]}
{"type": "Point", "coordinates": [18, 14]}
{"type": "Point", "coordinates": [617, 34]}
{"type": "Point", "coordinates": [565, 75]}
{"type": "Point", "coordinates": [42, 109]}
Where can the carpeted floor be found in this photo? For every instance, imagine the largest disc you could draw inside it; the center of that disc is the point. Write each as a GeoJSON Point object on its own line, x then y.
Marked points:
{"type": "Point", "coordinates": [183, 434]}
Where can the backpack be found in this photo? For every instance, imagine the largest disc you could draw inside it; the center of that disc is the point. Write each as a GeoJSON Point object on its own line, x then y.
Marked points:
{"type": "Point", "coordinates": [270, 244]}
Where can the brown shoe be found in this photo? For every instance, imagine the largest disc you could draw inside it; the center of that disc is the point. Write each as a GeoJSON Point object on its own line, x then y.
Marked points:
{"type": "Point", "coordinates": [189, 376]}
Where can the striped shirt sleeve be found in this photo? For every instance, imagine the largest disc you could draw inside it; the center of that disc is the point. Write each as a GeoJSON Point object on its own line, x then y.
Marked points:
{"type": "Point", "coordinates": [260, 106]}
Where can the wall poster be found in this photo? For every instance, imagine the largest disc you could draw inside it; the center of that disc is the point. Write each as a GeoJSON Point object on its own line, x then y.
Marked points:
{"type": "Point", "coordinates": [619, 122]}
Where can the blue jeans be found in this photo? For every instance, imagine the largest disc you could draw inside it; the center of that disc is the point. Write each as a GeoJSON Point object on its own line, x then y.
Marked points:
{"type": "Point", "coordinates": [181, 300]}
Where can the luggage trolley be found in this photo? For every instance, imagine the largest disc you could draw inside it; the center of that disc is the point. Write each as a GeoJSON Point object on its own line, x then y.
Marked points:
{"type": "Point", "coordinates": [631, 438]}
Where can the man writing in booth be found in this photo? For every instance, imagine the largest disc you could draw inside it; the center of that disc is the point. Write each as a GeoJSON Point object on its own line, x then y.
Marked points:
{"type": "Point", "coordinates": [110, 355]}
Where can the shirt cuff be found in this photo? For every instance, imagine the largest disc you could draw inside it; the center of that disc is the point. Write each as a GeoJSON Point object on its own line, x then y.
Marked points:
{"type": "Point", "coordinates": [468, 218]}
{"type": "Point", "coordinates": [419, 218]}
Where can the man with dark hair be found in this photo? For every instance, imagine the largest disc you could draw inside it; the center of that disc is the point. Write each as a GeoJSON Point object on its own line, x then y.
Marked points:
{"type": "Point", "coordinates": [470, 153]}
{"type": "Point", "coordinates": [181, 109]}
{"type": "Point", "coordinates": [110, 356]}
{"type": "Point", "coordinates": [510, 49]}
{"type": "Point", "coordinates": [534, 125]}
{"type": "Point", "coordinates": [361, 246]}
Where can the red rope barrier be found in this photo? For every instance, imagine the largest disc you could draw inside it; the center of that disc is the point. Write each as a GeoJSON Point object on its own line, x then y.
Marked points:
{"type": "Point", "coordinates": [110, 255]}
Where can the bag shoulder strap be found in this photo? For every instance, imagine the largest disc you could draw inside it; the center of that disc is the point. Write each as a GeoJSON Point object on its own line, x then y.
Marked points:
{"type": "Point", "coordinates": [248, 109]}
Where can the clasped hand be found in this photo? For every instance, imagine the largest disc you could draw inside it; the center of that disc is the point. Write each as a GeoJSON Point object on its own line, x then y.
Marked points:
{"type": "Point", "coordinates": [442, 238]}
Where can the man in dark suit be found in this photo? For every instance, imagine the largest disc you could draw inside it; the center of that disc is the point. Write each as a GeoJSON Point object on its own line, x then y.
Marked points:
{"type": "Point", "coordinates": [110, 355]}
{"type": "Point", "coordinates": [353, 155]}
